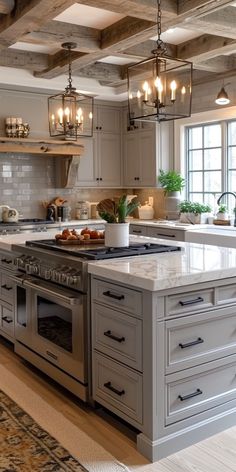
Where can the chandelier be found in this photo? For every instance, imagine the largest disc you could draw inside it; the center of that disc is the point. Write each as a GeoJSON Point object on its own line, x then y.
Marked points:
{"type": "Point", "coordinates": [160, 87]}
{"type": "Point", "coordinates": [70, 113]}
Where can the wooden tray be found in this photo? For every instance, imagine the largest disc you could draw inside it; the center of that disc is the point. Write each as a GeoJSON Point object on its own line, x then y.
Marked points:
{"type": "Point", "coordinates": [221, 222]}
{"type": "Point", "coordinates": [79, 241]}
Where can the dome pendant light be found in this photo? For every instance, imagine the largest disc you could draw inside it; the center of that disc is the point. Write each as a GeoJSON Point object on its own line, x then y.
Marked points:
{"type": "Point", "coordinates": [222, 97]}
{"type": "Point", "coordinates": [160, 87]}
{"type": "Point", "coordinates": [70, 113]}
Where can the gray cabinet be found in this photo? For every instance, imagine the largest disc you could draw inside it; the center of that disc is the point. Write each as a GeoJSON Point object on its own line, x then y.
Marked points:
{"type": "Point", "coordinates": [140, 158]}
{"type": "Point", "coordinates": [100, 165]}
{"type": "Point", "coordinates": [166, 233]}
{"type": "Point", "coordinates": [7, 296]}
{"type": "Point", "coordinates": [178, 365]}
{"type": "Point", "coordinates": [117, 349]}
{"type": "Point", "coordinates": [140, 230]}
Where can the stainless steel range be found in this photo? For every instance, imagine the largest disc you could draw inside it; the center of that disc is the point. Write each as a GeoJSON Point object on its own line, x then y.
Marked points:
{"type": "Point", "coordinates": [25, 225]}
{"type": "Point", "coordinates": [52, 326]}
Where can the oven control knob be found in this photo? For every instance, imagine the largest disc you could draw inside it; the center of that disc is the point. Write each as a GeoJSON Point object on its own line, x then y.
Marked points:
{"type": "Point", "coordinates": [48, 274]}
{"type": "Point", "coordinates": [35, 269]}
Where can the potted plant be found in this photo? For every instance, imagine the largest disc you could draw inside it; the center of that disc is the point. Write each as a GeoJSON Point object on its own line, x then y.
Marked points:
{"type": "Point", "coordinates": [172, 182]}
{"type": "Point", "coordinates": [222, 212]}
{"type": "Point", "coordinates": [193, 212]}
{"type": "Point", "coordinates": [114, 211]}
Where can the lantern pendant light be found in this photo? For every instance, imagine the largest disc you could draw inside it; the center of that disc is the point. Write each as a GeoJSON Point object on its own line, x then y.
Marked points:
{"type": "Point", "coordinates": [160, 87]}
{"type": "Point", "coordinates": [70, 112]}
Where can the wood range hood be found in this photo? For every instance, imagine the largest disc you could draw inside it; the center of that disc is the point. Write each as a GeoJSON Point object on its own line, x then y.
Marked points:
{"type": "Point", "coordinates": [67, 154]}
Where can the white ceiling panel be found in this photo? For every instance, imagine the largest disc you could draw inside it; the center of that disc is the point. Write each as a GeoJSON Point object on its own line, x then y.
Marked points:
{"type": "Point", "coordinates": [178, 35]}
{"type": "Point", "coordinates": [120, 61]}
{"type": "Point", "coordinates": [45, 49]}
{"type": "Point", "coordinates": [92, 17]}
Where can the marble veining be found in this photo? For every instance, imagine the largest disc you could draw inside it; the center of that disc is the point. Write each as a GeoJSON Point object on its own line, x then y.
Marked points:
{"type": "Point", "coordinates": [195, 263]}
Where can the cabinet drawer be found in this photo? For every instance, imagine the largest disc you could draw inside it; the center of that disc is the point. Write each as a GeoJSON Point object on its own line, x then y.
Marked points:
{"type": "Point", "coordinates": [209, 388]}
{"type": "Point", "coordinates": [117, 386]}
{"type": "Point", "coordinates": [7, 289]}
{"type": "Point", "coordinates": [179, 235]}
{"type": "Point", "coordinates": [138, 229]}
{"type": "Point", "coordinates": [117, 296]}
{"type": "Point", "coordinates": [190, 302]}
{"type": "Point", "coordinates": [117, 335]}
{"type": "Point", "coordinates": [189, 340]}
{"type": "Point", "coordinates": [7, 320]}
{"type": "Point", "coordinates": [226, 294]}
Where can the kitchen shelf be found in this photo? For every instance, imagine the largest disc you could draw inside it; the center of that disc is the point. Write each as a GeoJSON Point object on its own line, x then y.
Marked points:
{"type": "Point", "coordinates": [41, 146]}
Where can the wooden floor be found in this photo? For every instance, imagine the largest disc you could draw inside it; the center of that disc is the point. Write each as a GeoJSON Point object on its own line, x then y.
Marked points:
{"type": "Point", "coordinates": [217, 454]}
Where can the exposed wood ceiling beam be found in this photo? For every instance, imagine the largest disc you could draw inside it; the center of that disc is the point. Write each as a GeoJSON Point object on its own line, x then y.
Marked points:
{"type": "Point", "coordinates": [218, 64]}
{"type": "Point", "coordinates": [200, 7]}
{"type": "Point", "coordinates": [205, 47]}
{"type": "Point", "coordinates": [28, 15]}
{"type": "Point", "coordinates": [221, 22]}
{"type": "Point", "coordinates": [23, 59]}
{"type": "Point", "coordinates": [102, 72]}
{"type": "Point", "coordinates": [57, 32]}
{"type": "Point", "coordinates": [6, 6]}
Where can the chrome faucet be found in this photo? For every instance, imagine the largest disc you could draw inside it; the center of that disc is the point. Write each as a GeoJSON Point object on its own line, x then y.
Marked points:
{"type": "Point", "coordinates": [234, 195]}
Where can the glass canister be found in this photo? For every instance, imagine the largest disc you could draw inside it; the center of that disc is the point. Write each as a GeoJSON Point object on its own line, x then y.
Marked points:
{"type": "Point", "coordinates": [81, 211]}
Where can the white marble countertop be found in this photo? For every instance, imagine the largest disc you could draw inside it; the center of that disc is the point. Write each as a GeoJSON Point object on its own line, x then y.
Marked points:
{"type": "Point", "coordinates": [166, 224]}
{"type": "Point", "coordinates": [195, 263]}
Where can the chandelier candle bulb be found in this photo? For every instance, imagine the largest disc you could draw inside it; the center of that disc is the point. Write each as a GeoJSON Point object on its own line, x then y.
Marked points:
{"type": "Point", "coordinates": [173, 87]}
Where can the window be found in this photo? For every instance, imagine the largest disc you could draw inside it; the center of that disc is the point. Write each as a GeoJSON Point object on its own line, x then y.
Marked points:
{"type": "Point", "coordinates": [211, 161]}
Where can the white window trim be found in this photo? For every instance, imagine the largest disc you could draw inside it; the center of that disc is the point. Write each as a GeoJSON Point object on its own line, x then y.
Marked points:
{"type": "Point", "coordinates": [197, 118]}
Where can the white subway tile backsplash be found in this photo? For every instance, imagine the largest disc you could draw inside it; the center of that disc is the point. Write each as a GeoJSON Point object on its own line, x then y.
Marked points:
{"type": "Point", "coordinates": [27, 180]}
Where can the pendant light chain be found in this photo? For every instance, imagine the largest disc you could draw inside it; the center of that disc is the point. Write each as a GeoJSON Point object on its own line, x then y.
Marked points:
{"type": "Point", "coordinates": [69, 88]}
{"type": "Point", "coordinates": [161, 48]}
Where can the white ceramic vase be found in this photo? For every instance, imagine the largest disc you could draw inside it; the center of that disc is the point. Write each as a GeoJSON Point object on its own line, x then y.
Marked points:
{"type": "Point", "coordinates": [172, 199]}
{"type": "Point", "coordinates": [117, 234]}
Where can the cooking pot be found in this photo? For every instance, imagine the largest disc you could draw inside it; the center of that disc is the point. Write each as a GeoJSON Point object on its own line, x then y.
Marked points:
{"type": "Point", "coordinates": [2, 208]}
{"type": "Point", "coordinates": [10, 215]}
{"type": "Point", "coordinates": [146, 212]}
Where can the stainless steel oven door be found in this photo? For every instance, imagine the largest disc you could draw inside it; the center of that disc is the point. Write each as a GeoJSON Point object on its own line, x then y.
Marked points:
{"type": "Point", "coordinates": [51, 321]}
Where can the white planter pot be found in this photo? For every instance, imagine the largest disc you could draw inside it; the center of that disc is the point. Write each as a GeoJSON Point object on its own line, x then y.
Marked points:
{"type": "Point", "coordinates": [191, 218]}
{"type": "Point", "coordinates": [172, 199]}
{"type": "Point", "coordinates": [117, 234]}
{"type": "Point", "coordinates": [222, 216]}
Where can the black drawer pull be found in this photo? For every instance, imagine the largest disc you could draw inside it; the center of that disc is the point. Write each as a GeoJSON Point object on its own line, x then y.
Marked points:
{"type": "Point", "coordinates": [53, 356]}
{"type": "Point", "coordinates": [112, 336]}
{"type": "Point", "coordinates": [166, 235]}
{"type": "Point", "coordinates": [7, 319]}
{"type": "Point", "coordinates": [193, 343]}
{"type": "Point", "coordinates": [7, 261]}
{"type": "Point", "coordinates": [6, 287]}
{"type": "Point", "coordinates": [113, 389]}
{"type": "Point", "coordinates": [191, 302]}
{"type": "Point", "coordinates": [190, 395]}
{"type": "Point", "coordinates": [113, 295]}
{"type": "Point", "coordinates": [138, 231]}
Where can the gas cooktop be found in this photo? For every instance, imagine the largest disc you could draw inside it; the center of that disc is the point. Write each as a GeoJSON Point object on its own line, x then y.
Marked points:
{"type": "Point", "coordinates": [27, 221]}
{"type": "Point", "coordinates": [102, 252]}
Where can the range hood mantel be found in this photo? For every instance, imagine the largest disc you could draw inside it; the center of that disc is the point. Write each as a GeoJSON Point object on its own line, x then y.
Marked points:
{"type": "Point", "coordinates": [67, 152]}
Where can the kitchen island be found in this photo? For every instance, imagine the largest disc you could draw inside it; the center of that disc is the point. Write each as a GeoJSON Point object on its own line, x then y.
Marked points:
{"type": "Point", "coordinates": [164, 344]}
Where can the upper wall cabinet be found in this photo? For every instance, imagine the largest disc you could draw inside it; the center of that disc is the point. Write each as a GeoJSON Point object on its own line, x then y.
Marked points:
{"type": "Point", "coordinates": [101, 162]}
{"type": "Point", "coordinates": [107, 119]}
{"type": "Point", "coordinates": [147, 147]}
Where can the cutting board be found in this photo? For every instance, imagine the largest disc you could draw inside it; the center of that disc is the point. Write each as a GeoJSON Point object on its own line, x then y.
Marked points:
{"type": "Point", "coordinates": [79, 242]}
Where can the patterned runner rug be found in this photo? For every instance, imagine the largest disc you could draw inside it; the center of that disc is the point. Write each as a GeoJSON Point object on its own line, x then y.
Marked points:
{"type": "Point", "coordinates": [25, 446]}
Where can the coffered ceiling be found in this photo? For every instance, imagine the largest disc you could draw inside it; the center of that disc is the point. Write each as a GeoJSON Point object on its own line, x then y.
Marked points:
{"type": "Point", "coordinates": [111, 34]}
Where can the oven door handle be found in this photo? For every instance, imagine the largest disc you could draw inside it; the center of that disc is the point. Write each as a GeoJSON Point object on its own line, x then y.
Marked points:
{"type": "Point", "coordinates": [44, 289]}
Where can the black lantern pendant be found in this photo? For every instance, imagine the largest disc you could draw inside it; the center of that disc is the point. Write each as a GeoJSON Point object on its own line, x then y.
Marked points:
{"type": "Point", "coordinates": [70, 113]}
{"type": "Point", "coordinates": [160, 87]}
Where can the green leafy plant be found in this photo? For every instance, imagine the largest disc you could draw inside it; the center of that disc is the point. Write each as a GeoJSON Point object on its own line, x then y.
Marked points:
{"type": "Point", "coordinates": [171, 181]}
{"type": "Point", "coordinates": [116, 210]}
{"type": "Point", "coordinates": [222, 208]}
{"type": "Point", "coordinates": [193, 207]}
